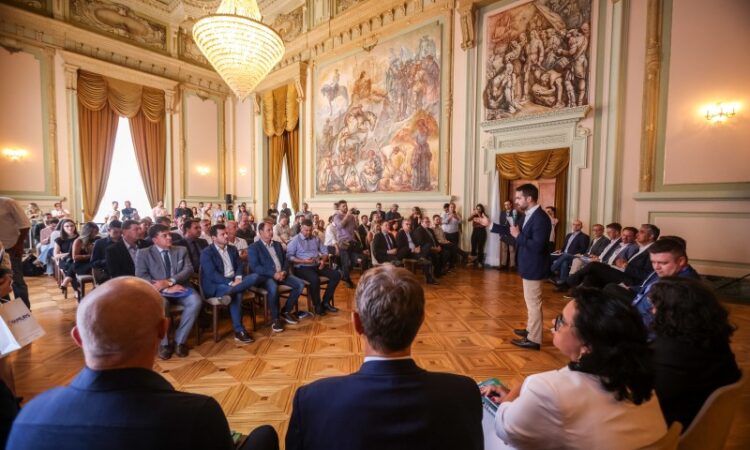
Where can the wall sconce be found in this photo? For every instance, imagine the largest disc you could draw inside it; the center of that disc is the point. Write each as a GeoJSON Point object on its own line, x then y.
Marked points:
{"type": "Point", "coordinates": [721, 112]}
{"type": "Point", "coordinates": [203, 170]}
{"type": "Point", "coordinates": [242, 171]}
{"type": "Point", "coordinates": [15, 154]}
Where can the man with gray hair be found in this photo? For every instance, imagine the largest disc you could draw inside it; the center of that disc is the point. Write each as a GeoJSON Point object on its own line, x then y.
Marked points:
{"type": "Point", "coordinates": [117, 401]}
{"type": "Point", "coordinates": [390, 402]}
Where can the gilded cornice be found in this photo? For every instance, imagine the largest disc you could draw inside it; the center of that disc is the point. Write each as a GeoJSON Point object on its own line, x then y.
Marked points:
{"type": "Point", "coordinates": [43, 31]}
{"type": "Point", "coordinates": [651, 92]}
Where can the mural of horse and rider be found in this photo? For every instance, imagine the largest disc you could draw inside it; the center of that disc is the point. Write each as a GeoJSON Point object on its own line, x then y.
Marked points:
{"type": "Point", "coordinates": [377, 116]}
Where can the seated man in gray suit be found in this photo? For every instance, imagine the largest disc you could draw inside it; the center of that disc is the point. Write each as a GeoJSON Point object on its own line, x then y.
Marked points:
{"type": "Point", "coordinates": [168, 269]}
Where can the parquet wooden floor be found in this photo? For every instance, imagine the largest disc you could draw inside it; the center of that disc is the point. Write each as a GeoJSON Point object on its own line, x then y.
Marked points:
{"type": "Point", "coordinates": [468, 329]}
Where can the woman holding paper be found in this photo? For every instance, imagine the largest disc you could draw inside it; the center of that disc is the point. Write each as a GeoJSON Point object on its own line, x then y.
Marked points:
{"type": "Point", "coordinates": [602, 399]}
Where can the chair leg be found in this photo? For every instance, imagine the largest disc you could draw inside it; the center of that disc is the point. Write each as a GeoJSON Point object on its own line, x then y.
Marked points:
{"type": "Point", "coordinates": [216, 322]}
{"type": "Point", "coordinates": [252, 315]}
{"type": "Point", "coordinates": [266, 312]}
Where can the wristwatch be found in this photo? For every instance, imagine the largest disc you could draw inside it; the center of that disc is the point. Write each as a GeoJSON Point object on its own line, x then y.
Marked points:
{"type": "Point", "coordinates": [172, 282]}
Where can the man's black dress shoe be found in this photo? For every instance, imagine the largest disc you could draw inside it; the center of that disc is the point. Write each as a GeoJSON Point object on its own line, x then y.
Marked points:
{"type": "Point", "coordinates": [329, 307]}
{"type": "Point", "coordinates": [523, 332]}
{"type": "Point", "coordinates": [525, 343]}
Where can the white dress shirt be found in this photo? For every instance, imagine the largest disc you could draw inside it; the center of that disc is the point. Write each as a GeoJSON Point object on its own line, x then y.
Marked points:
{"type": "Point", "coordinates": [565, 409]}
{"type": "Point", "coordinates": [275, 257]}
{"type": "Point", "coordinates": [228, 269]}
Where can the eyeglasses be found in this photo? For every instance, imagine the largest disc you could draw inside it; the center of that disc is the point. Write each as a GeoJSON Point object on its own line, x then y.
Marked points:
{"type": "Point", "coordinates": [559, 322]}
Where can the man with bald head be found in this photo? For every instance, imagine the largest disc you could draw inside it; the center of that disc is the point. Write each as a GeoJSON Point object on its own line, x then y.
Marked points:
{"type": "Point", "coordinates": [117, 401]}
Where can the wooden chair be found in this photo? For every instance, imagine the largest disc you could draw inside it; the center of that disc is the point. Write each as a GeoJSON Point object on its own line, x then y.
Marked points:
{"type": "Point", "coordinates": [261, 297]}
{"type": "Point", "coordinates": [710, 428]}
{"type": "Point", "coordinates": [306, 293]}
{"type": "Point", "coordinates": [669, 441]}
{"type": "Point", "coordinates": [173, 311]}
{"type": "Point", "coordinates": [217, 304]}
{"type": "Point", "coordinates": [82, 281]}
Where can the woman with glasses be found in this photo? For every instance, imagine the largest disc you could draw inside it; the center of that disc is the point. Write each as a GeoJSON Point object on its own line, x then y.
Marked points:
{"type": "Point", "coordinates": [692, 357]}
{"type": "Point", "coordinates": [602, 399]}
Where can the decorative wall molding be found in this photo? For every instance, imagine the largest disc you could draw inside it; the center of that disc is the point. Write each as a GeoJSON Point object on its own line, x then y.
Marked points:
{"type": "Point", "coordinates": [119, 21]}
{"type": "Point", "coordinates": [41, 31]}
{"type": "Point", "coordinates": [651, 94]}
{"type": "Point", "coordinates": [467, 12]}
{"type": "Point", "coordinates": [543, 132]}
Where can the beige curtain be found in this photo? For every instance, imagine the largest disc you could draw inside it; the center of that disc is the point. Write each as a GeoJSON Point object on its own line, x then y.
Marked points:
{"type": "Point", "coordinates": [535, 165]}
{"type": "Point", "coordinates": [280, 108]}
{"type": "Point", "coordinates": [145, 108]}
{"type": "Point", "coordinates": [150, 142]}
{"type": "Point", "coordinates": [97, 128]}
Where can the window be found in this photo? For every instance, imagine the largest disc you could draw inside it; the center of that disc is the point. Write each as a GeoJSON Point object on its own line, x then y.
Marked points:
{"type": "Point", "coordinates": [125, 182]}
{"type": "Point", "coordinates": [284, 196]}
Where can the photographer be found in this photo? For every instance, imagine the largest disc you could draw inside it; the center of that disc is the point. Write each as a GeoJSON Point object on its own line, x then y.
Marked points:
{"type": "Point", "coordinates": [346, 224]}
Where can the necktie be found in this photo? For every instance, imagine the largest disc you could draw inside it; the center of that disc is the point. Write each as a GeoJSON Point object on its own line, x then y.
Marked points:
{"type": "Point", "coordinates": [167, 263]}
{"type": "Point", "coordinates": [388, 240]}
{"type": "Point", "coordinates": [196, 255]}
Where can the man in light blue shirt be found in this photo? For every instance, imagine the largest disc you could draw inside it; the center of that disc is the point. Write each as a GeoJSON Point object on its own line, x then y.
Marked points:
{"type": "Point", "coordinates": [308, 256]}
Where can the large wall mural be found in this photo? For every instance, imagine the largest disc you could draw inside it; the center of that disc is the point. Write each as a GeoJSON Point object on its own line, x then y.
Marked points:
{"type": "Point", "coordinates": [377, 117]}
{"type": "Point", "coordinates": [537, 58]}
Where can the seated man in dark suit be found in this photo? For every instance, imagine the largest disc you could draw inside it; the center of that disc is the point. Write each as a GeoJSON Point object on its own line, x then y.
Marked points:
{"type": "Point", "coordinates": [564, 260]}
{"type": "Point", "coordinates": [191, 240]}
{"type": "Point", "coordinates": [409, 249]}
{"type": "Point", "coordinates": [390, 403]}
{"type": "Point", "coordinates": [431, 250]}
{"type": "Point", "coordinates": [630, 272]}
{"type": "Point", "coordinates": [120, 257]}
{"type": "Point", "coordinates": [384, 245]}
{"type": "Point", "coordinates": [309, 257]}
{"type": "Point", "coordinates": [267, 258]}
{"type": "Point", "coordinates": [221, 274]}
{"type": "Point", "coordinates": [168, 269]}
{"type": "Point", "coordinates": [117, 401]}
{"type": "Point", "coordinates": [576, 242]}
{"type": "Point", "coordinates": [98, 255]}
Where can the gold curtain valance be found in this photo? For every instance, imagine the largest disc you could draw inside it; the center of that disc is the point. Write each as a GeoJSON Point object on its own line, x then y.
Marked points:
{"type": "Point", "coordinates": [532, 165]}
{"type": "Point", "coordinates": [126, 99]}
{"type": "Point", "coordinates": [280, 110]}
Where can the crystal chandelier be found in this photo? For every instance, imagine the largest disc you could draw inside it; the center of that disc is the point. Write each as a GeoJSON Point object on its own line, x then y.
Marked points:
{"type": "Point", "coordinates": [238, 45]}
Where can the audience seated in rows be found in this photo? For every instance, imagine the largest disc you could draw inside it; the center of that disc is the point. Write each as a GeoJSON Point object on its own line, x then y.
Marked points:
{"type": "Point", "coordinates": [630, 271]}
{"type": "Point", "coordinates": [390, 402]}
{"type": "Point", "coordinates": [117, 401]}
{"type": "Point", "coordinates": [576, 243]}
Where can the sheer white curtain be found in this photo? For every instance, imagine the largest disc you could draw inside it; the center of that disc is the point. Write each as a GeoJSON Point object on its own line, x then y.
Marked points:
{"type": "Point", "coordinates": [492, 248]}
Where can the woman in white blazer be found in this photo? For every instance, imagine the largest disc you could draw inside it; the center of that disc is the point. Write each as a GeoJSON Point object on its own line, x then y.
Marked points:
{"type": "Point", "coordinates": [603, 399]}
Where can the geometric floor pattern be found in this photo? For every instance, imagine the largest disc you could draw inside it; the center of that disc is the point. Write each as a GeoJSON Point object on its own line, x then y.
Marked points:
{"type": "Point", "coordinates": [467, 330]}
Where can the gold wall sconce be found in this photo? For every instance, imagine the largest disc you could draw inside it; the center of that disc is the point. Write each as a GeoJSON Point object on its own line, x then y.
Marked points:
{"type": "Point", "coordinates": [203, 170]}
{"type": "Point", "coordinates": [721, 112]}
{"type": "Point", "coordinates": [15, 154]}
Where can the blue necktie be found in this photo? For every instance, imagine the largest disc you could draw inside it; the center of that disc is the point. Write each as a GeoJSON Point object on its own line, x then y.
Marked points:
{"type": "Point", "coordinates": [167, 263]}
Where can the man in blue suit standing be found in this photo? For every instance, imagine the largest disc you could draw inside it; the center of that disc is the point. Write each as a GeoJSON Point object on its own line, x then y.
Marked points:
{"type": "Point", "coordinates": [390, 403]}
{"type": "Point", "coordinates": [221, 274]}
{"type": "Point", "coordinates": [533, 259]}
{"type": "Point", "coordinates": [267, 258]}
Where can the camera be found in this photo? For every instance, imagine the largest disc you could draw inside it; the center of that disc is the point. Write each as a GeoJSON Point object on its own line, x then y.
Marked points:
{"type": "Point", "coordinates": [355, 212]}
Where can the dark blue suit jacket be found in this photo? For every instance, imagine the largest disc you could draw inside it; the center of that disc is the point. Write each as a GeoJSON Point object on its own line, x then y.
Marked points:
{"type": "Point", "coordinates": [531, 245]}
{"type": "Point", "coordinates": [212, 269]}
{"type": "Point", "coordinates": [393, 405]}
{"type": "Point", "coordinates": [98, 253]}
{"type": "Point", "coordinates": [122, 409]}
{"type": "Point", "coordinates": [579, 246]}
{"type": "Point", "coordinates": [260, 260]}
